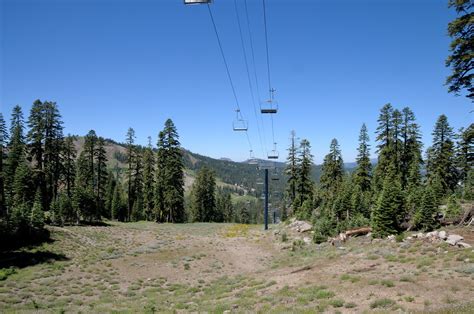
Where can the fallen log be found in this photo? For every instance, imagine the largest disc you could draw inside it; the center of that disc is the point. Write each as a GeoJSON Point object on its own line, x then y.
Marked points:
{"type": "Point", "coordinates": [356, 232]}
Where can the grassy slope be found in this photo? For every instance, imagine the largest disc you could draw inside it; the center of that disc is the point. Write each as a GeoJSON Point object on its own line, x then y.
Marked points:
{"type": "Point", "coordinates": [216, 267]}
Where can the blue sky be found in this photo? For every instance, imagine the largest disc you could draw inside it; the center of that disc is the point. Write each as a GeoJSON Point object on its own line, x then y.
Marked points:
{"type": "Point", "coordinates": [111, 64]}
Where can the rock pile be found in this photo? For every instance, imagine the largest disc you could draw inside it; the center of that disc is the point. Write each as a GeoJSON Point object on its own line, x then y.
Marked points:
{"type": "Point", "coordinates": [301, 226]}
{"type": "Point", "coordinates": [438, 236]}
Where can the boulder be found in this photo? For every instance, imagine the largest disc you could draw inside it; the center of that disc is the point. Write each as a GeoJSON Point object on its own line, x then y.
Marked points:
{"type": "Point", "coordinates": [301, 226]}
{"type": "Point", "coordinates": [453, 239]}
{"type": "Point", "coordinates": [306, 240]}
{"type": "Point", "coordinates": [432, 234]}
{"type": "Point", "coordinates": [442, 235]}
{"type": "Point", "coordinates": [464, 245]}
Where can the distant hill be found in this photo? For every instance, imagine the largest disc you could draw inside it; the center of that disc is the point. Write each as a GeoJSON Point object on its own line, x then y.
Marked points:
{"type": "Point", "coordinates": [240, 177]}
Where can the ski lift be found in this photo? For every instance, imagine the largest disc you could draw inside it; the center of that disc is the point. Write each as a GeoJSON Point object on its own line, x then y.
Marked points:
{"type": "Point", "coordinates": [252, 160]}
{"type": "Point", "coordinates": [274, 153]}
{"type": "Point", "coordinates": [274, 176]}
{"type": "Point", "coordinates": [190, 2]}
{"type": "Point", "coordinates": [259, 181]}
{"type": "Point", "coordinates": [270, 106]}
{"type": "Point", "coordinates": [239, 124]}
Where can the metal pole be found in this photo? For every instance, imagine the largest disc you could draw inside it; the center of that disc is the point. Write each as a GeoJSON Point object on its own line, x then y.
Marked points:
{"type": "Point", "coordinates": [266, 200]}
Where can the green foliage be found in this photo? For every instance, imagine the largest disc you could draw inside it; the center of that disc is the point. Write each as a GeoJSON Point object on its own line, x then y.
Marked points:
{"type": "Point", "coordinates": [204, 199]}
{"type": "Point", "coordinates": [324, 226]}
{"type": "Point", "coordinates": [390, 203]}
{"type": "Point", "coordinates": [426, 217]}
{"type": "Point", "coordinates": [363, 173]}
{"type": "Point", "coordinates": [453, 207]}
{"type": "Point", "coordinates": [37, 213]}
{"type": "Point", "coordinates": [304, 184]}
{"type": "Point", "coordinates": [461, 47]}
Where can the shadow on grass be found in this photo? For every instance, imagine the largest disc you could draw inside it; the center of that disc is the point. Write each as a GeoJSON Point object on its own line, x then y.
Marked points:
{"type": "Point", "coordinates": [22, 259]}
{"type": "Point", "coordinates": [94, 223]}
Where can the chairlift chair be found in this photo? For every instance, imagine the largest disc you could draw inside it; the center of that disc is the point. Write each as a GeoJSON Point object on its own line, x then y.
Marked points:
{"type": "Point", "coordinates": [239, 124]}
{"type": "Point", "coordinates": [252, 160]}
{"type": "Point", "coordinates": [269, 107]}
{"type": "Point", "coordinates": [274, 153]}
{"type": "Point", "coordinates": [274, 176]}
{"type": "Point", "coordinates": [191, 2]}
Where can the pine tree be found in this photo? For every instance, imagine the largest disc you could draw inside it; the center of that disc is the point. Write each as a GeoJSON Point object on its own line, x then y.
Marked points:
{"type": "Point", "coordinates": [304, 186]}
{"type": "Point", "coordinates": [53, 146]}
{"type": "Point", "coordinates": [148, 180]}
{"type": "Point", "coordinates": [460, 60]}
{"type": "Point", "coordinates": [441, 157]}
{"type": "Point", "coordinates": [36, 139]}
{"type": "Point", "coordinates": [69, 164]}
{"type": "Point", "coordinates": [203, 197]}
{"type": "Point", "coordinates": [23, 185]}
{"type": "Point", "coordinates": [465, 152]}
{"type": "Point", "coordinates": [3, 141]}
{"type": "Point", "coordinates": [130, 142]}
{"type": "Point", "coordinates": [16, 152]}
{"type": "Point", "coordinates": [173, 179]}
{"type": "Point", "coordinates": [224, 206]}
{"type": "Point", "coordinates": [37, 213]}
{"type": "Point", "coordinates": [411, 146]}
{"type": "Point", "coordinates": [332, 173]}
{"type": "Point", "coordinates": [390, 203]}
{"type": "Point", "coordinates": [89, 166]}
{"type": "Point", "coordinates": [396, 144]}
{"type": "Point", "coordinates": [385, 148]}
{"type": "Point", "coordinates": [109, 195]}
{"type": "Point", "coordinates": [160, 179]}
{"type": "Point", "coordinates": [138, 213]}
{"type": "Point", "coordinates": [291, 169]}
{"type": "Point", "coordinates": [363, 172]}
{"type": "Point", "coordinates": [428, 210]}
{"type": "Point", "coordinates": [101, 176]}
{"type": "Point", "coordinates": [118, 206]}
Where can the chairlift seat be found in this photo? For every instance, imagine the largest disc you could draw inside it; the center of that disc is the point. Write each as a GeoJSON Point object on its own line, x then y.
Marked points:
{"type": "Point", "coordinates": [191, 2]}
{"type": "Point", "coordinates": [268, 110]}
{"type": "Point", "coordinates": [240, 126]}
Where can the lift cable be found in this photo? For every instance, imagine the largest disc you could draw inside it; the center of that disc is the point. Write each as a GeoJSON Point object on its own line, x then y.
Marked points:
{"type": "Point", "coordinates": [248, 75]}
{"type": "Point", "coordinates": [255, 73]}
{"type": "Point", "coordinates": [225, 61]}
{"type": "Point", "coordinates": [270, 89]}
{"type": "Point", "coordinates": [239, 112]}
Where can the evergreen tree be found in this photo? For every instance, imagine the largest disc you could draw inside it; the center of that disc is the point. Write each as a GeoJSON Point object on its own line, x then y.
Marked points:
{"type": "Point", "coordinates": [460, 60]}
{"type": "Point", "coordinates": [109, 195]}
{"type": "Point", "coordinates": [244, 215]}
{"type": "Point", "coordinates": [203, 197]}
{"type": "Point", "coordinates": [16, 151]}
{"type": "Point", "coordinates": [173, 176]}
{"type": "Point", "coordinates": [23, 185]}
{"type": "Point", "coordinates": [428, 210]}
{"type": "Point", "coordinates": [137, 179]}
{"type": "Point", "coordinates": [362, 175]}
{"type": "Point", "coordinates": [396, 144]}
{"type": "Point", "coordinates": [69, 164]}
{"type": "Point", "coordinates": [130, 142]}
{"type": "Point", "coordinates": [224, 206]}
{"type": "Point", "coordinates": [119, 209]}
{"type": "Point", "coordinates": [148, 180]}
{"type": "Point", "coordinates": [3, 141]}
{"type": "Point", "coordinates": [291, 169]}
{"type": "Point", "coordinates": [160, 179]}
{"type": "Point", "coordinates": [37, 213]}
{"type": "Point", "coordinates": [53, 146]}
{"type": "Point", "coordinates": [465, 152]}
{"type": "Point", "coordinates": [101, 176]}
{"type": "Point", "coordinates": [411, 146]}
{"type": "Point", "coordinates": [332, 172]}
{"type": "Point", "coordinates": [390, 203]}
{"type": "Point", "coordinates": [36, 143]}
{"type": "Point", "coordinates": [304, 186]}
{"type": "Point", "coordinates": [441, 157]}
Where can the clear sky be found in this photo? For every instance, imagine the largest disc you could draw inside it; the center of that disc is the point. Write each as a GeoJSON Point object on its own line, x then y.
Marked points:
{"type": "Point", "coordinates": [111, 64]}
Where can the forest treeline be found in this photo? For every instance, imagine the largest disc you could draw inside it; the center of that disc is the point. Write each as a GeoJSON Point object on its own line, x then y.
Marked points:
{"type": "Point", "coordinates": [402, 191]}
{"type": "Point", "coordinates": [43, 179]}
